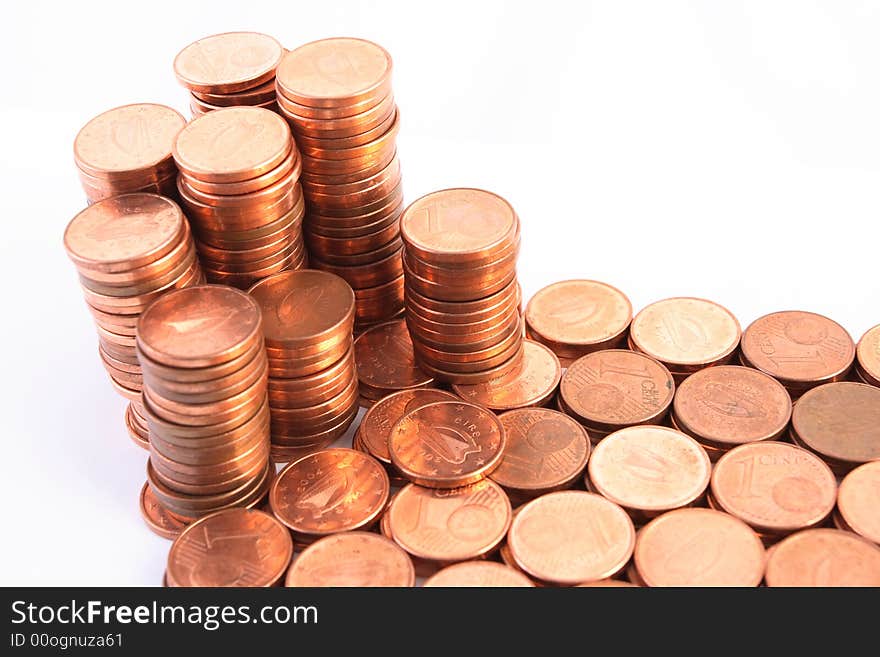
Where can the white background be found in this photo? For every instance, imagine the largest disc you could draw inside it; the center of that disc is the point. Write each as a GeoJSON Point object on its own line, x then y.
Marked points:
{"type": "Point", "coordinates": [728, 150]}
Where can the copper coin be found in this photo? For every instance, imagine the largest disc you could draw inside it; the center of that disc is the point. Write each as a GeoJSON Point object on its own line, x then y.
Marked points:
{"type": "Point", "coordinates": [868, 355]}
{"type": "Point", "coordinates": [615, 388]}
{"type": "Point", "coordinates": [649, 469]}
{"type": "Point", "coordinates": [304, 307]}
{"type": "Point", "coordinates": [478, 574]}
{"type": "Point", "coordinates": [824, 557]}
{"type": "Point", "coordinates": [545, 450]}
{"type": "Point", "coordinates": [236, 547]}
{"type": "Point", "coordinates": [127, 141]}
{"type": "Point", "coordinates": [380, 419]}
{"type": "Point", "coordinates": [800, 349]}
{"type": "Point", "coordinates": [199, 326]}
{"type": "Point", "coordinates": [352, 559]}
{"type": "Point", "coordinates": [685, 333]}
{"type": "Point", "coordinates": [330, 491]}
{"type": "Point", "coordinates": [578, 316]}
{"type": "Point", "coordinates": [775, 487]}
{"type": "Point", "coordinates": [232, 144]}
{"type": "Point", "coordinates": [334, 72]}
{"type": "Point", "coordinates": [698, 547]}
{"type": "Point", "coordinates": [447, 444]}
{"type": "Point", "coordinates": [531, 383]}
{"type": "Point", "coordinates": [571, 537]}
{"type": "Point", "coordinates": [840, 422]}
{"type": "Point", "coordinates": [729, 405]}
{"type": "Point", "coordinates": [124, 232]}
{"type": "Point", "coordinates": [458, 225]}
{"type": "Point", "coordinates": [449, 525]}
{"type": "Point", "coordinates": [857, 501]}
{"type": "Point", "coordinates": [385, 359]}
{"type": "Point", "coordinates": [229, 62]}
{"type": "Point", "coordinates": [158, 519]}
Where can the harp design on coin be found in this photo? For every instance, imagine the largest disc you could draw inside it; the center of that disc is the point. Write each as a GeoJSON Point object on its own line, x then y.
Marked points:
{"type": "Point", "coordinates": [728, 400]}
{"type": "Point", "coordinates": [696, 556]}
{"type": "Point", "coordinates": [582, 309]}
{"type": "Point", "coordinates": [644, 463]}
{"type": "Point", "coordinates": [297, 305]}
{"type": "Point", "coordinates": [324, 493]}
{"type": "Point", "coordinates": [213, 318]}
{"type": "Point", "coordinates": [685, 332]}
{"type": "Point", "coordinates": [123, 230]}
{"type": "Point", "coordinates": [447, 443]}
{"type": "Point", "coordinates": [337, 67]}
{"type": "Point", "coordinates": [234, 136]}
{"type": "Point", "coordinates": [132, 136]}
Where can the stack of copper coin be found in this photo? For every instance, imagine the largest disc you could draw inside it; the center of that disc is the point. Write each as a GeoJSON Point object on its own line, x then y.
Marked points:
{"type": "Point", "coordinates": [238, 180]}
{"type": "Point", "coordinates": [729, 405]}
{"type": "Point", "coordinates": [612, 389]}
{"type": "Point", "coordinates": [128, 149]}
{"type": "Point", "coordinates": [577, 317]}
{"type": "Point", "coordinates": [386, 362]}
{"type": "Point", "coordinates": [313, 387]}
{"type": "Point", "coordinates": [128, 251]}
{"type": "Point", "coordinates": [205, 372]}
{"type": "Point", "coordinates": [228, 70]}
{"type": "Point", "coordinates": [867, 366]}
{"type": "Point", "coordinates": [799, 349]}
{"type": "Point", "coordinates": [462, 296]}
{"type": "Point", "coordinates": [686, 334]}
{"type": "Point", "coordinates": [336, 94]}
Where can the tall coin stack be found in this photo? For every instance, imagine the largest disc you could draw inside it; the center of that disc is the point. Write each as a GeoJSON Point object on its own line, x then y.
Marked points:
{"type": "Point", "coordinates": [205, 371]}
{"type": "Point", "coordinates": [313, 387]}
{"type": "Point", "coordinates": [228, 70]}
{"type": "Point", "coordinates": [128, 251]}
{"type": "Point", "coordinates": [127, 150]}
{"type": "Point", "coordinates": [238, 180]}
{"type": "Point", "coordinates": [336, 94]}
{"type": "Point", "coordinates": [462, 295]}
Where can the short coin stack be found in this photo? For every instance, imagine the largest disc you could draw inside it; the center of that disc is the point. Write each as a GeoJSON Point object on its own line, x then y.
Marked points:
{"type": "Point", "coordinates": [313, 386]}
{"type": "Point", "coordinates": [230, 69]}
{"type": "Point", "coordinates": [238, 182]}
{"type": "Point", "coordinates": [205, 372]}
{"type": "Point", "coordinates": [462, 296]}
{"type": "Point", "coordinates": [578, 317]}
{"type": "Point", "coordinates": [336, 94]}
{"type": "Point", "coordinates": [128, 149]}
{"type": "Point", "coordinates": [128, 251]}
